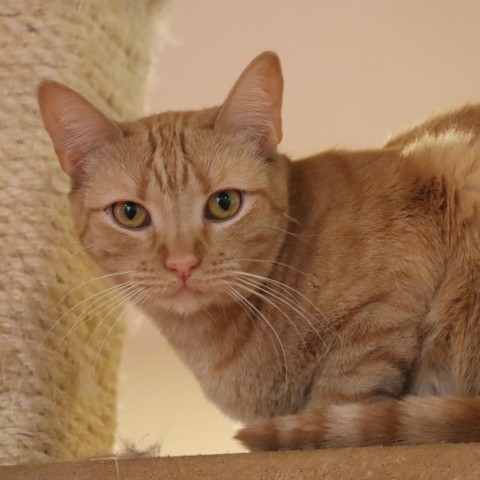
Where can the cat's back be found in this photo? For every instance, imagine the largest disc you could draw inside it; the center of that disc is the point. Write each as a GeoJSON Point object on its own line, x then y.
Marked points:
{"type": "Point", "coordinates": [431, 171]}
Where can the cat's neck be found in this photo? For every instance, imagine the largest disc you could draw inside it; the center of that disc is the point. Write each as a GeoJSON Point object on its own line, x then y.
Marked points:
{"type": "Point", "coordinates": [211, 334]}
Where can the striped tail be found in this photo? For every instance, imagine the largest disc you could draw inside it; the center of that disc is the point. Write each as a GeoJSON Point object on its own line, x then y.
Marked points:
{"type": "Point", "coordinates": [410, 420]}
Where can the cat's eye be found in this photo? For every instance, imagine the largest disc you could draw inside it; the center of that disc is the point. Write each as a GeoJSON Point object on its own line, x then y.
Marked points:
{"type": "Point", "coordinates": [223, 205]}
{"type": "Point", "coordinates": [130, 214]}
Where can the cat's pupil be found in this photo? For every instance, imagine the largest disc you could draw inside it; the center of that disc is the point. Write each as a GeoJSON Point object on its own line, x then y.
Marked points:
{"type": "Point", "coordinates": [224, 201]}
{"type": "Point", "coordinates": [130, 209]}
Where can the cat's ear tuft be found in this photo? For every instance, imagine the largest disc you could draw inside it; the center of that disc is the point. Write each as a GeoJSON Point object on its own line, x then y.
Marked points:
{"type": "Point", "coordinates": [253, 107]}
{"type": "Point", "coordinates": [74, 125]}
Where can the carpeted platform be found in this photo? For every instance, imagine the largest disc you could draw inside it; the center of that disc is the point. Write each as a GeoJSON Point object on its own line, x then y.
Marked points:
{"type": "Point", "coordinates": [437, 462]}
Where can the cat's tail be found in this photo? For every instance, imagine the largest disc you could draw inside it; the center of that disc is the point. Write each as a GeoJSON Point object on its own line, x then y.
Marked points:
{"type": "Point", "coordinates": [409, 420]}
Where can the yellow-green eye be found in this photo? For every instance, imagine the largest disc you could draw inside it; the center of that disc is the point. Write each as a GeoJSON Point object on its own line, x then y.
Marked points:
{"type": "Point", "coordinates": [130, 214]}
{"type": "Point", "coordinates": [223, 205]}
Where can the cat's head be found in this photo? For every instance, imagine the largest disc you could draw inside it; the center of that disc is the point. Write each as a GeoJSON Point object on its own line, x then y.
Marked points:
{"type": "Point", "coordinates": [176, 205]}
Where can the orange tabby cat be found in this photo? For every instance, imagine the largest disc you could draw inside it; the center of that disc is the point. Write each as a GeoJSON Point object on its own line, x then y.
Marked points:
{"type": "Point", "coordinates": [332, 301]}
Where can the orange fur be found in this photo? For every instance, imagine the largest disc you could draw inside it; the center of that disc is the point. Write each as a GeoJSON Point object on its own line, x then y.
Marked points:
{"type": "Point", "coordinates": [340, 307]}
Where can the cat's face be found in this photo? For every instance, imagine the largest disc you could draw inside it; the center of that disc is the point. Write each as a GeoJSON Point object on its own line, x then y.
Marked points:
{"type": "Point", "coordinates": [176, 205]}
{"type": "Point", "coordinates": [173, 182]}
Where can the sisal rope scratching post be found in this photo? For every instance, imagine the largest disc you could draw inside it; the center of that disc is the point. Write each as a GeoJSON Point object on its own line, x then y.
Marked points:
{"type": "Point", "coordinates": [58, 369]}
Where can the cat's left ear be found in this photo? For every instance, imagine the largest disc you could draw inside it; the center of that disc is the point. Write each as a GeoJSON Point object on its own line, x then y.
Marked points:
{"type": "Point", "coordinates": [253, 107]}
{"type": "Point", "coordinates": [75, 126]}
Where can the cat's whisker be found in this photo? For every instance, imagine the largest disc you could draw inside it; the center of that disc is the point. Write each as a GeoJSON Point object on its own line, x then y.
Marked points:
{"type": "Point", "coordinates": [76, 252]}
{"type": "Point", "coordinates": [286, 289]}
{"type": "Point", "coordinates": [247, 308]}
{"type": "Point", "coordinates": [264, 318]}
{"type": "Point", "coordinates": [117, 302]}
{"type": "Point", "coordinates": [219, 298]}
{"type": "Point", "coordinates": [287, 232]}
{"type": "Point", "coordinates": [205, 309]}
{"type": "Point", "coordinates": [220, 268]}
{"type": "Point", "coordinates": [87, 282]}
{"type": "Point", "coordinates": [140, 296]}
{"type": "Point", "coordinates": [301, 311]}
{"type": "Point", "coordinates": [270, 289]}
{"type": "Point", "coordinates": [112, 297]}
{"type": "Point", "coordinates": [275, 263]}
{"type": "Point", "coordinates": [252, 288]}
{"type": "Point", "coordinates": [299, 235]}
{"type": "Point", "coordinates": [292, 304]}
{"type": "Point", "coordinates": [260, 281]}
{"type": "Point", "coordinates": [102, 294]}
{"type": "Point", "coordinates": [294, 220]}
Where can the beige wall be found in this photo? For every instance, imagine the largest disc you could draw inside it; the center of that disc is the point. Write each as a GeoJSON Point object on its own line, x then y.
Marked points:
{"type": "Point", "coordinates": [354, 72]}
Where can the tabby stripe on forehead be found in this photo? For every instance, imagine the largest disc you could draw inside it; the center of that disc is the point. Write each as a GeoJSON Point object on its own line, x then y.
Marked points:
{"type": "Point", "coordinates": [143, 186]}
{"type": "Point", "coordinates": [153, 147]}
{"type": "Point", "coordinates": [154, 167]}
{"type": "Point", "coordinates": [178, 152]}
{"type": "Point", "coordinates": [168, 164]}
{"type": "Point", "coordinates": [185, 157]}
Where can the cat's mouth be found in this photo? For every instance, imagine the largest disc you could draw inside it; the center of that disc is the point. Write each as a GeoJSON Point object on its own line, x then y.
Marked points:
{"type": "Point", "coordinates": [185, 291]}
{"type": "Point", "coordinates": [186, 299]}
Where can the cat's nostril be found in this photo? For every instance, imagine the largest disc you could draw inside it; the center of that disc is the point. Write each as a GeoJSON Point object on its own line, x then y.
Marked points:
{"type": "Point", "coordinates": [182, 265]}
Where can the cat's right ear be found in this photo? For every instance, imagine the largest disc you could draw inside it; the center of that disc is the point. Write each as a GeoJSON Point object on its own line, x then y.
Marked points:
{"type": "Point", "coordinates": [74, 125]}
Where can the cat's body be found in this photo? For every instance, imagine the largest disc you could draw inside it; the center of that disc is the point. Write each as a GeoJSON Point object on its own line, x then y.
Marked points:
{"type": "Point", "coordinates": [345, 287]}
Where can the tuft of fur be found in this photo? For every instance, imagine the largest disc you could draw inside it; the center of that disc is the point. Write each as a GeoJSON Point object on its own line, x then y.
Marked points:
{"type": "Point", "coordinates": [130, 450]}
{"type": "Point", "coordinates": [339, 307]}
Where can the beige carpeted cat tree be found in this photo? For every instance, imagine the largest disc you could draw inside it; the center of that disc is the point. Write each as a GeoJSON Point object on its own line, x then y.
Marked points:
{"type": "Point", "coordinates": [58, 370]}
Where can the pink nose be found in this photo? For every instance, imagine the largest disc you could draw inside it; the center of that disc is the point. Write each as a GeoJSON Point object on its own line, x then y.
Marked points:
{"type": "Point", "coordinates": [182, 265]}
